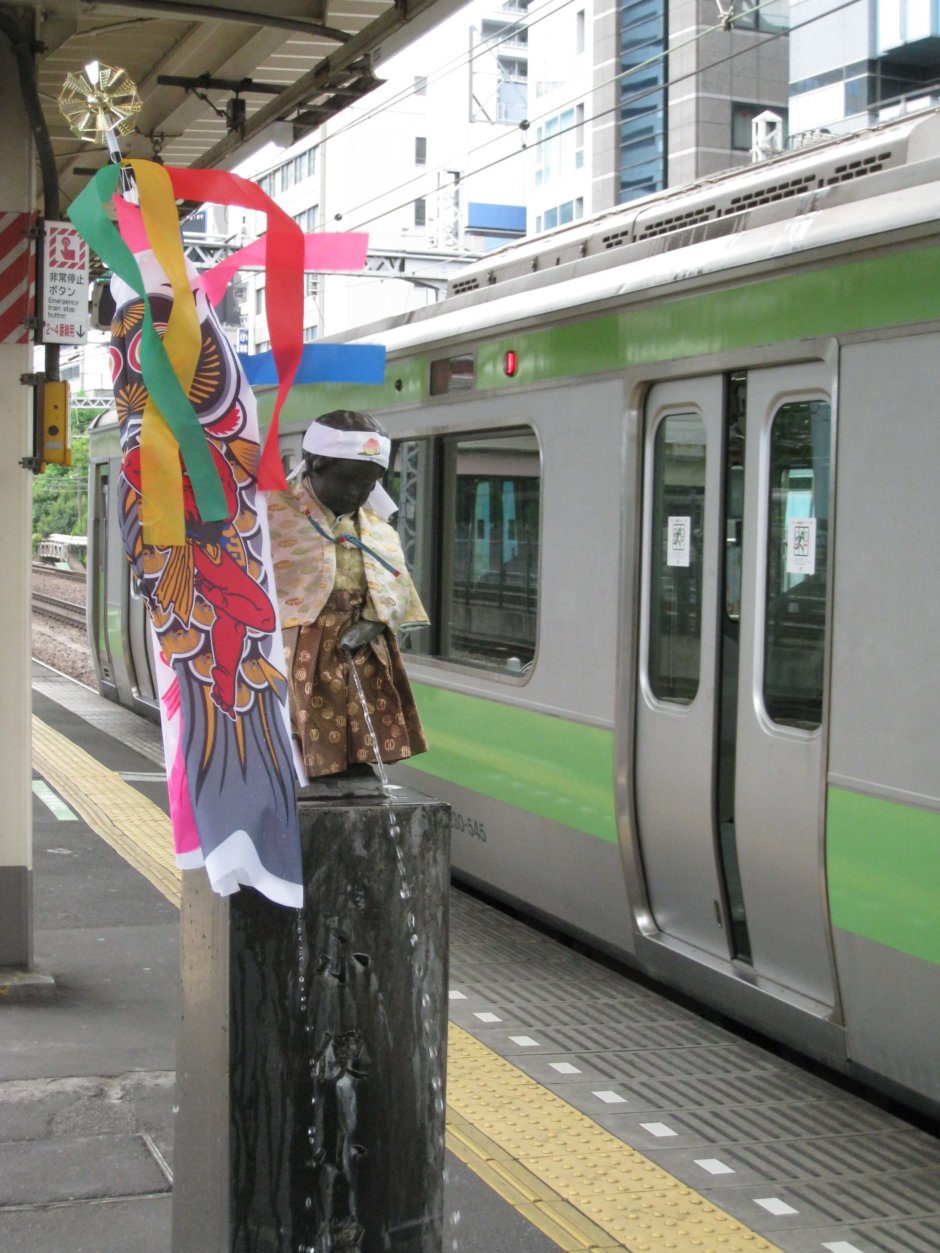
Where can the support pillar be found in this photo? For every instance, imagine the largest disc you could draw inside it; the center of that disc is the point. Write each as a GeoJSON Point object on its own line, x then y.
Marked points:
{"type": "Point", "coordinates": [17, 188]}
{"type": "Point", "coordinates": [312, 1049]}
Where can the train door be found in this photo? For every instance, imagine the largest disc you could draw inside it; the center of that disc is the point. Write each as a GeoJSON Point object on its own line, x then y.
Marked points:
{"type": "Point", "coordinates": [730, 746]}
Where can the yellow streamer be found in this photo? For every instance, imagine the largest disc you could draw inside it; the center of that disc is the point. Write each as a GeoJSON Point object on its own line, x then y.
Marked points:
{"type": "Point", "coordinates": [161, 472]}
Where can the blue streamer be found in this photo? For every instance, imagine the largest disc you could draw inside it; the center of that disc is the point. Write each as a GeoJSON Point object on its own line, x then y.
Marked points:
{"type": "Point", "coordinates": [322, 363]}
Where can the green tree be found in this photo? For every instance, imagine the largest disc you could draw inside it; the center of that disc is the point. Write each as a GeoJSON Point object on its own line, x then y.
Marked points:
{"type": "Point", "coordinates": [60, 494]}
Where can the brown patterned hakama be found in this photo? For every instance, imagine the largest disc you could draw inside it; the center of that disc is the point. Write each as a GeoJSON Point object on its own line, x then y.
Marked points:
{"type": "Point", "coordinates": [326, 714]}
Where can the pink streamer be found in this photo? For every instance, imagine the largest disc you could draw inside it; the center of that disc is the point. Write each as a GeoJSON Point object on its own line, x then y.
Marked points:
{"type": "Point", "coordinates": [130, 222]}
{"type": "Point", "coordinates": [182, 818]}
{"type": "Point", "coordinates": [321, 252]}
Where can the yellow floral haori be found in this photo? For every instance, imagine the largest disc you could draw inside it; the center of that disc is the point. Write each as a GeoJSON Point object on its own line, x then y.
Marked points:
{"type": "Point", "coordinates": [324, 587]}
{"type": "Point", "coordinates": [305, 562]}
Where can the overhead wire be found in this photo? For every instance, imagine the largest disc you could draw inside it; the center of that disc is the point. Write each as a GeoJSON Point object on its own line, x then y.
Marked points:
{"type": "Point", "coordinates": [648, 63]}
{"type": "Point", "coordinates": [449, 67]}
{"type": "Point", "coordinates": [637, 96]}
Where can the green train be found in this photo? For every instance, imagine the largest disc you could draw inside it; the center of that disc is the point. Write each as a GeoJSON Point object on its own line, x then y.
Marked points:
{"type": "Point", "coordinates": [667, 481]}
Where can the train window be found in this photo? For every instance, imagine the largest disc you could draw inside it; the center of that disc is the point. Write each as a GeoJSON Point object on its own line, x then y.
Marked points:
{"type": "Point", "coordinates": [675, 623]}
{"type": "Point", "coordinates": [451, 374]}
{"type": "Point", "coordinates": [490, 550]}
{"type": "Point", "coordinates": [408, 481]}
{"type": "Point", "coordinates": [468, 520]}
{"type": "Point", "coordinates": [798, 541]}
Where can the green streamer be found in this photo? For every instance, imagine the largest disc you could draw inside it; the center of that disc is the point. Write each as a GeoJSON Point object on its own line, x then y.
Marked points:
{"type": "Point", "coordinates": [87, 213]}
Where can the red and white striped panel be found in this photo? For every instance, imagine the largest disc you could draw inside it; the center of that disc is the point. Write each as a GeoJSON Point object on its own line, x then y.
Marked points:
{"type": "Point", "coordinates": [17, 277]}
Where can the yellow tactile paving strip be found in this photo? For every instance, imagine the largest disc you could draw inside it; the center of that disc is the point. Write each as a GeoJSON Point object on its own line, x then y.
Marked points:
{"type": "Point", "coordinates": [576, 1182]}
{"type": "Point", "coordinates": [123, 817]}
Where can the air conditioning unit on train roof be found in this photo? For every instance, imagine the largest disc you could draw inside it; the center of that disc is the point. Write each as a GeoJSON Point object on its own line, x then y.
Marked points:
{"type": "Point", "coordinates": [535, 254]}
{"type": "Point", "coordinates": [770, 190]}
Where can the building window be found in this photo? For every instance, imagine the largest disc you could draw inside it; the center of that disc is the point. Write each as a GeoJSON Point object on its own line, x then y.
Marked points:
{"type": "Point", "coordinates": [310, 334]}
{"type": "Point", "coordinates": [308, 219]}
{"type": "Point", "coordinates": [420, 212]}
{"type": "Point", "coordinates": [579, 32]}
{"type": "Point", "coordinates": [560, 215]}
{"type": "Point", "coordinates": [556, 146]}
{"type": "Point", "coordinates": [421, 150]}
{"type": "Point", "coordinates": [642, 98]}
{"type": "Point", "coordinates": [513, 89]}
{"type": "Point", "coordinates": [311, 284]}
{"type": "Point", "coordinates": [754, 15]}
{"type": "Point", "coordinates": [421, 85]}
{"type": "Point", "coordinates": [259, 299]}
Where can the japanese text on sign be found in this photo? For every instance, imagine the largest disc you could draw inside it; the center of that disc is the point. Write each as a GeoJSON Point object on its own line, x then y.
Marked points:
{"type": "Point", "coordinates": [64, 285]}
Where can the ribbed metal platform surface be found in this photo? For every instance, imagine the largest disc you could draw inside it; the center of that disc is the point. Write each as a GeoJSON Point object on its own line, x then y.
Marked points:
{"type": "Point", "coordinates": [612, 1117]}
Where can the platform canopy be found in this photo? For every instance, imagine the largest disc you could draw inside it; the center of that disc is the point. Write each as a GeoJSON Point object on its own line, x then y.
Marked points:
{"type": "Point", "coordinates": [294, 64]}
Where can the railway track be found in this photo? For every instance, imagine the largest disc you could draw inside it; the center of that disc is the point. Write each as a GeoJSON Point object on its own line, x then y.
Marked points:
{"type": "Point", "coordinates": [59, 595]}
{"type": "Point", "coordinates": [59, 609]}
{"type": "Point", "coordinates": [61, 576]}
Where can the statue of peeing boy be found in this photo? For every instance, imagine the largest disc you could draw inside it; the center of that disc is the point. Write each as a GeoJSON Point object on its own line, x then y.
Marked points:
{"type": "Point", "coordinates": [344, 593]}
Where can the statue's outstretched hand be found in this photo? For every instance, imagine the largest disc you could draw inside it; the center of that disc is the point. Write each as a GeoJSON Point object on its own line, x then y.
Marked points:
{"type": "Point", "coordinates": [360, 633]}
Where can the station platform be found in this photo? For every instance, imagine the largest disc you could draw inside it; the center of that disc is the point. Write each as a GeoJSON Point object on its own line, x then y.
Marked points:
{"type": "Point", "coordinates": [585, 1110]}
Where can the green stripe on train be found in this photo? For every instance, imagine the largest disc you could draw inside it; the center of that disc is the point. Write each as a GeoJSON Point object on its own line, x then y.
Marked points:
{"type": "Point", "coordinates": [883, 862]}
{"type": "Point", "coordinates": [838, 298]}
{"type": "Point", "coordinates": [546, 765]}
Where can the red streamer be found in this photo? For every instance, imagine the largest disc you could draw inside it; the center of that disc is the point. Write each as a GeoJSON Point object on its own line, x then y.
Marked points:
{"type": "Point", "coordinates": [284, 292]}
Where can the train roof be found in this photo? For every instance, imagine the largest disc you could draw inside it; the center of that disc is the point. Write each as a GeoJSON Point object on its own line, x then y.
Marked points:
{"type": "Point", "coordinates": [736, 199]}
{"type": "Point", "coordinates": [798, 207]}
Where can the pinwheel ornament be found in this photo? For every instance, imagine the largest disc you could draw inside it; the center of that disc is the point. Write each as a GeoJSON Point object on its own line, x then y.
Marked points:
{"type": "Point", "coordinates": [99, 104]}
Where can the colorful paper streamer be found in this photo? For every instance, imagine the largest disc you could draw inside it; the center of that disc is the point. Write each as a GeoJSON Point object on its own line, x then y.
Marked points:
{"type": "Point", "coordinates": [322, 251]}
{"type": "Point", "coordinates": [88, 214]}
{"type": "Point", "coordinates": [321, 363]}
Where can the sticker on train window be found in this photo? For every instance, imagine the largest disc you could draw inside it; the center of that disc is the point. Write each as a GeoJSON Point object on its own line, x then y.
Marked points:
{"type": "Point", "coordinates": [678, 548]}
{"type": "Point", "coordinates": [801, 545]}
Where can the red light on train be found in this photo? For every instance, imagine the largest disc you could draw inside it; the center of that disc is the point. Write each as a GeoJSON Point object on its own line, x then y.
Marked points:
{"type": "Point", "coordinates": [510, 364]}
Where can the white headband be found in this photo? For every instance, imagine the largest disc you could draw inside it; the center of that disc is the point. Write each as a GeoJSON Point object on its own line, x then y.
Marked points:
{"type": "Point", "coordinates": [326, 441]}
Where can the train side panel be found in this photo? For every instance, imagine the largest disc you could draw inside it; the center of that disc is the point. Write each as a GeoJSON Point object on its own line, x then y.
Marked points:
{"type": "Point", "coordinates": [883, 831]}
{"type": "Point", "coordinates": [526, 759]}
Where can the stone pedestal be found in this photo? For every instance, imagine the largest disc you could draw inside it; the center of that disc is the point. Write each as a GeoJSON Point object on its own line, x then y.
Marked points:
{"type": "Point", "coordinates": [312, 1046]}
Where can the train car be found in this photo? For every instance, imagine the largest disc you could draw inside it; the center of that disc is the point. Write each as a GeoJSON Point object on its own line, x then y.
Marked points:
{"type": "Point", "coordinates": [666, 479]}
{"type": "Point", "coordinates": [64, 552]}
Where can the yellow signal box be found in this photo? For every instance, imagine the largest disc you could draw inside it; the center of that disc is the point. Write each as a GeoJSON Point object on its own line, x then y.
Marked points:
{"type": "Point", "coordinates": [55, 448]}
